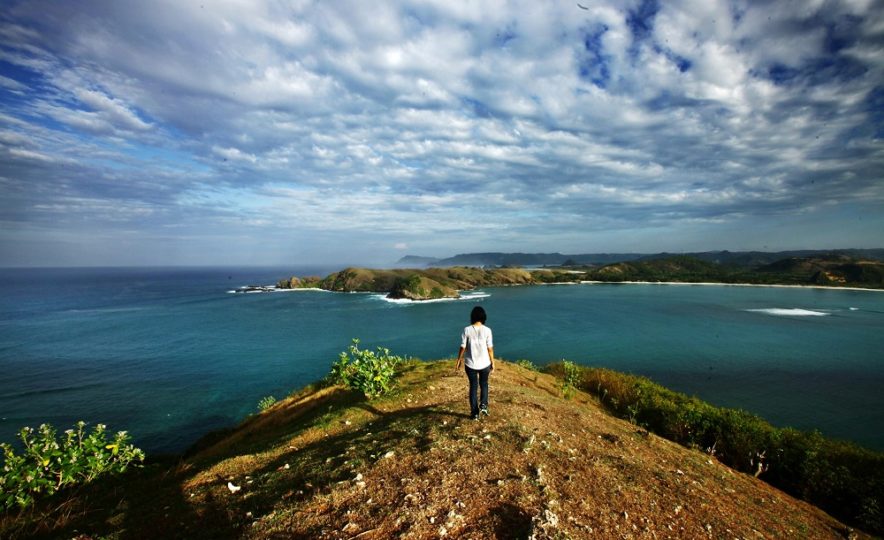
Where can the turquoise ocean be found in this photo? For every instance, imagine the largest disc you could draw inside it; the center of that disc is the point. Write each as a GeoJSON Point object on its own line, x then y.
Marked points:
{"type": "Point", "coordinates": [171, 354]}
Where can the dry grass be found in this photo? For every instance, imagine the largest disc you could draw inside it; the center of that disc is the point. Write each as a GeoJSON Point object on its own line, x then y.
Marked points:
{"type": "Point", "coordinates": [326, 464]}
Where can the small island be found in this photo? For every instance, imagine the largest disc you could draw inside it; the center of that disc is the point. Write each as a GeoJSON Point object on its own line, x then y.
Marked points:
{"type": "Point", "coordinates": [448, 282]}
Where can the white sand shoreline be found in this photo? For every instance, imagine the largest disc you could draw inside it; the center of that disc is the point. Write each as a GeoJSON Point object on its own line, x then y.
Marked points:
{"type": "Point", "coordinates": [704, 283]}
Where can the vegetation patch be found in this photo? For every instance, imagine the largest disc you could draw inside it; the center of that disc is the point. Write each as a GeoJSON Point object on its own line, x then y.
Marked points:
{"type": "Point", "coordinates": [839, 477]}
{"type": "Point", "coordinates": [369, 372]}
{"type": "Point", "coordinates": [48, 464]}
{"type": "Point", "coordinates": [266, 402]}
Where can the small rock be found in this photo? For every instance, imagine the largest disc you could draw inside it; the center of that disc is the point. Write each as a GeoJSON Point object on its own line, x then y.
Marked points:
{"type": "Point", "coordinates": [233, 488]}
{"type": "Point", "coordinates": [389, 454]}
{"type": "Point", "coordinates": [249, 515]}
{"type": "Point", "coordinates": [358, 477]}
{"type": "Point", "coordinates": [679, 471]}
{"type": "Point", "coordinates": [432, 520]}
{"type": "Point", "coordinates": [625, 515]}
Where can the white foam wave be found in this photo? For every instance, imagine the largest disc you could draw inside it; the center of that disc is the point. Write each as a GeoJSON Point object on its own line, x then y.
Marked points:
{"type": "Point", "coordinates": [300, 289]}
{"type": "Point", "coordinates": [790, 312]}
{"type": "Point", "coordinates": [854, 309]}
{"type": "Point", "coordinates": [405, 301]}
{"type": "Point", "coordinates": [258, 289]}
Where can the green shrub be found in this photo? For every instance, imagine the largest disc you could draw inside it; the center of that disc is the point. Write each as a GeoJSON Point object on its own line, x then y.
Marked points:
{"type": "Point", "coordinates": [839, 477]}
{"type": "Point", "coordinates": [369, 372]}
{"type": "Point", "coordinates": [266, 402]}
{"type": "Point", "coordinates": [48, 465]}
{"type": "Point", "coordinates": [527, 364]}
{"type": "Point", "coordinates": [570, 378]}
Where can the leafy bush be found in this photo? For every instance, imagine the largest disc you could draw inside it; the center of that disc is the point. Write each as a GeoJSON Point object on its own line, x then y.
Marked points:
{"type": "Point", "coordinates": [48, 465]}
{"type": "Point", "coordinates": [527, 364]}
{"type": "Point", "coordinates": [369, 372]}
{"type": "Point", "coordinates": [570, 378]}
{"type": "Point", "coordinates": [839, 477]}
{"type": "Point", "coordinates": [266, 402]}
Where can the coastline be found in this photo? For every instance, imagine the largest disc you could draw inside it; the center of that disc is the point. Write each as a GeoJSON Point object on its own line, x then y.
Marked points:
{"type": "Point", "coordinates": [272, 289]}
{"type": "Point", "coordinates": [446, 282]}
{"type": "Point", "coordinates": [719, 284]}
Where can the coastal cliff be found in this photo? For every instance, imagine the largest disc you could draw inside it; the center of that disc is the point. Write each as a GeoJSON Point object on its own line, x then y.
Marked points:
{"type": "Point", "coordinates": [326, 463]}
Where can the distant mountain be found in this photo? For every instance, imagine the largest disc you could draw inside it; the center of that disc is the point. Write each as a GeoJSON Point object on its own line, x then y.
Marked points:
{"type": "Point", "coordinates": [523, 259]}
{"type": "Point", "coordinates": [739, 259]}
{"type": "Point", "coordinates": [416, 260]}
{"type": "Point", "coordinates": [756, 259]}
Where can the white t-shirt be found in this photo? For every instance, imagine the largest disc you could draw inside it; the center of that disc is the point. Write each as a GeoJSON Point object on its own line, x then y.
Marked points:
{"type": "Point", "coordinates": [476, 340]}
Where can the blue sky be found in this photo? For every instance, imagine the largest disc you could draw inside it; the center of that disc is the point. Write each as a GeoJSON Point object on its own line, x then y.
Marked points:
{"type": "Point", "coordinates": [248, 132]}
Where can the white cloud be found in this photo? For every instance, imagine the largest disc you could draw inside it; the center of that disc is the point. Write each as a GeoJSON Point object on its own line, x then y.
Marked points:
{"type": "Point", "coordinates": [234, 154]}
{"type": "Point", "coordinates": [394, 117]}
{"type": "Point", "coordinates": [113, 110]}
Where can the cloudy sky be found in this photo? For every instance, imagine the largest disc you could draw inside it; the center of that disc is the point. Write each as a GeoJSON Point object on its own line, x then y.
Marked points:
{"type": "Point", "coordinates": [286, 132]}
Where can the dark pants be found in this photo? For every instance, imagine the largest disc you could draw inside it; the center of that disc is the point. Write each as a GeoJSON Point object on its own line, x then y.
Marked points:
{"type": "Point", "coordinates": [478, 380]}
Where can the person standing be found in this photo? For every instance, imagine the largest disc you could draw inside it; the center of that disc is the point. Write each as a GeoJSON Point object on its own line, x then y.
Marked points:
{"type": "Point", "coordinates": [477, 354]}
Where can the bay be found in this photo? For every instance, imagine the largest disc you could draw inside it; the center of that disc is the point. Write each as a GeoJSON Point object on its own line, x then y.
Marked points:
{"type": "Point", "coordinates": [170, 354]}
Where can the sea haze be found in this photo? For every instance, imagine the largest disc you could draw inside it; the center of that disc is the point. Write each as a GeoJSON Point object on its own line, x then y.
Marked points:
{"type": "Point", "coordinates": [170, 354]}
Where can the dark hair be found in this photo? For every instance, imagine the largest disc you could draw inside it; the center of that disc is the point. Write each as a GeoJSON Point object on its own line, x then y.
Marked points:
{"type": "Point", "coordinates": [478, 315]}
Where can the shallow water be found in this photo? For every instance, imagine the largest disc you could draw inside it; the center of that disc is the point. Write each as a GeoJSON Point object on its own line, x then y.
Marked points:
{"type": "Point", "coordinates": [169, 354]}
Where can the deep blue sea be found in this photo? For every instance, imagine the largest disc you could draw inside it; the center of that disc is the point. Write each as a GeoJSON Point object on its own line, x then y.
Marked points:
{"type": "Point", "coordinates": [170, 354]}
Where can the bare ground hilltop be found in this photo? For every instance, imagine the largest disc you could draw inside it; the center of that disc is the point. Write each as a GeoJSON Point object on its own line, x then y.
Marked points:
{"type": "Point", "coordinates": [326, 463]}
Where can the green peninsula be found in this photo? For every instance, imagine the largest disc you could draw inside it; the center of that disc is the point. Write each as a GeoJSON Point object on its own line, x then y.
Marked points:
{"type": "Point", "coordinates": [414, 284]}
{"type": "Point", "coordinates": [436, 283]}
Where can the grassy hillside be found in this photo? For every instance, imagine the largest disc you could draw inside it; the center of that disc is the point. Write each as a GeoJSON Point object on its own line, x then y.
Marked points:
{"type": "Point", "coordinates": [425, 284]}
{"type": "Point", "coordinates": [326, 463]}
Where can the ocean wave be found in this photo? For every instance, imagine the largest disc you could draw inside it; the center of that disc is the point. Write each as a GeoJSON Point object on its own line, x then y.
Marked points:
{"type": "Point", "coordinates": [260, 289]}
{"type": "Point", "coordinates": [54, 390]}
{"type": "Point", "coordinates": [790, 312]}
{"type": "Point", "coordinates": [405, 301]}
